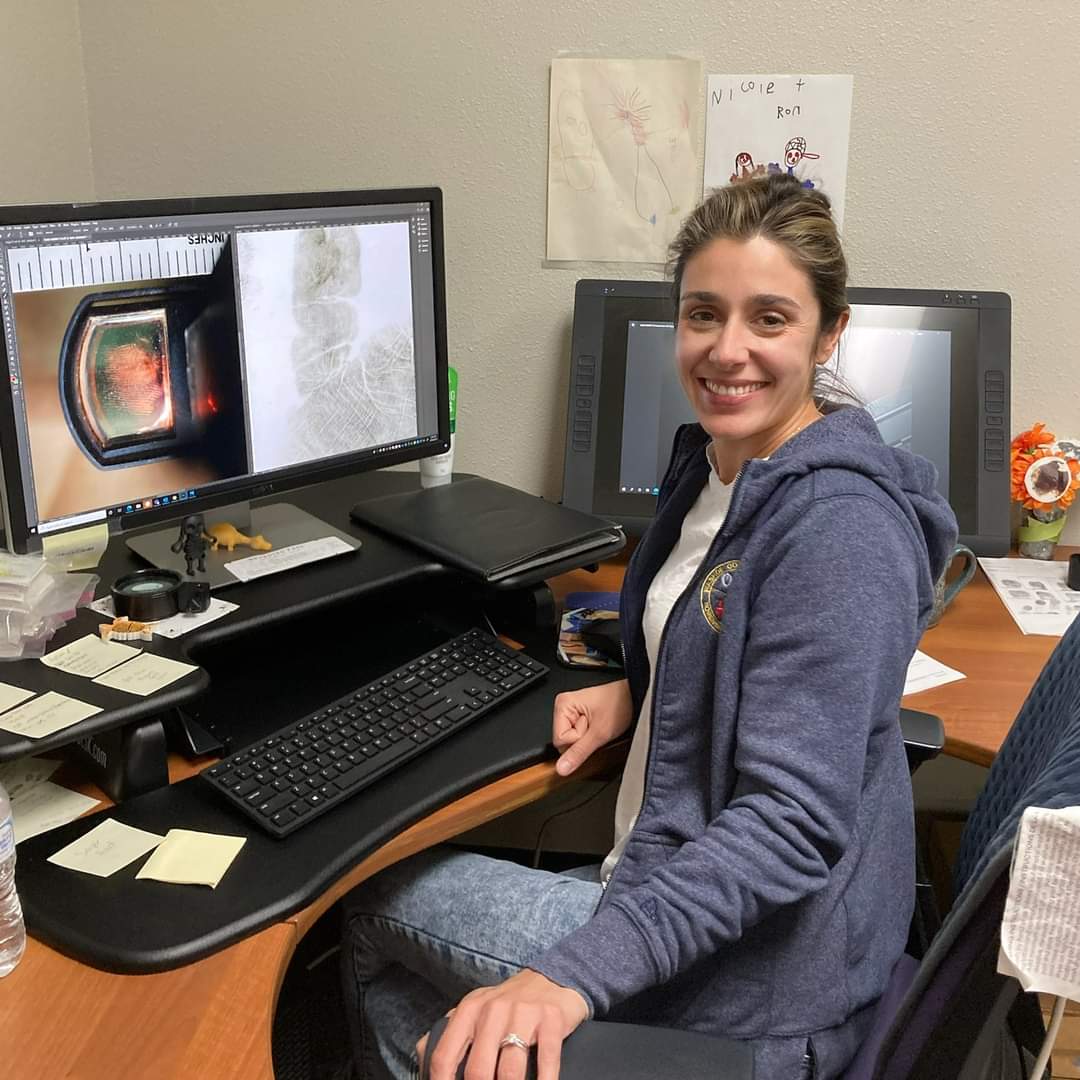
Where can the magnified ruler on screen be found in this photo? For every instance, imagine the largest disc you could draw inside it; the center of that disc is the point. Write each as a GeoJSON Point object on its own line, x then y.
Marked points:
{"type": "Point", "coordinates": [60, 266]}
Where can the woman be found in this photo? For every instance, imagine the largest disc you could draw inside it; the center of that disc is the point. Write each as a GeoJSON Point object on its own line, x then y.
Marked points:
{"type": "Point", "coordinates": [761, 882]}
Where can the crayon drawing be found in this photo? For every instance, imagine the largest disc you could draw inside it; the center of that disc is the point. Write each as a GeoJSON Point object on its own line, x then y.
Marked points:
{"type": "Point", "coordinates": [621, 164]}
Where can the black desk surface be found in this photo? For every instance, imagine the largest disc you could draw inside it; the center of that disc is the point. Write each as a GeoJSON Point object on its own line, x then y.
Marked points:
{"type": "Point", "coordinates": [298, 639]}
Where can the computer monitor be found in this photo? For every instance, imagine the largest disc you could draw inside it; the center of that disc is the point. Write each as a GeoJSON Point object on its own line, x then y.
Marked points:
{"type": "Point", "coordinates": [165, 357]}
{"type": "Point", "coordinates": [931, 366]}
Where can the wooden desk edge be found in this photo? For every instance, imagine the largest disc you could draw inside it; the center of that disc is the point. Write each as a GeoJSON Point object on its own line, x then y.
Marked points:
{"type": "Point", "coordinates": [193, 1011]}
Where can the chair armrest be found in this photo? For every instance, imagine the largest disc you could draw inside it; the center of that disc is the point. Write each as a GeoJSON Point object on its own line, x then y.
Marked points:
{"type": "Point", "coordinates": [924, 736]}
{"type": "Point", "coordinates": [599, 1049]}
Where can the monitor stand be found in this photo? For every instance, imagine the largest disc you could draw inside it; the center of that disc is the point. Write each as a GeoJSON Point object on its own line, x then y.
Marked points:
{"type": "Point", "coordinates": [282, 524]}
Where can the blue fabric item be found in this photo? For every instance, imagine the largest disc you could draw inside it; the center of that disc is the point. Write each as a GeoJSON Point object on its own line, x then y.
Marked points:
{"type": "Point", "coordinates": [600, 601]}
{"type": "Point", "coordinates": [1037, 765]}
{"type": "Point", "coordinates": [766, 890]}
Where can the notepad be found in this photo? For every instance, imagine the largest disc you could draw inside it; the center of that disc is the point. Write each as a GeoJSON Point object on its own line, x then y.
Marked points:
{"type": "Point", "coordinates": [46, 714]}
{"type": "Point", "coordinates": [192, 858]}
{"type": "Point", "coordinates": [145, 674]}
{"type": "Point", "coordinates": [106, 848]}
{"type": "Point", "coordinates": [89, 656]}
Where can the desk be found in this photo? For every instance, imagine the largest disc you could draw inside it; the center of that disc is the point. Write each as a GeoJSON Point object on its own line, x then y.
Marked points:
{"type": "Point", "coordinates": [213, 1018]}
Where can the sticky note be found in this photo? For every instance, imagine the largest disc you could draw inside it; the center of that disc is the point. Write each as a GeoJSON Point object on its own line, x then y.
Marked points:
{"type": "Point", "coordinates": [89, 656]}
{"type": "Point", "coordinates": [12, 695]}
{"type": "Point", "coordinates": [46, 714]}
{"type": "Point", "coordinates": [80, 549]}
{"type": "Point", "coordinates": [192, 858]}
{"type": "Point", "coordinates": [46, 806]}
{"type": "Point", "coordinates": [145, 674]}
{"type": "Point", "coordinates": [106, 848]}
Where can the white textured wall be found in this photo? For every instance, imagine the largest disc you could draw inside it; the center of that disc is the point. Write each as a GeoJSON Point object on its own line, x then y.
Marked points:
{"type": "Point", "coordinates": [965, 151]}
{"type": "Point", "coordinates": [44, 133]}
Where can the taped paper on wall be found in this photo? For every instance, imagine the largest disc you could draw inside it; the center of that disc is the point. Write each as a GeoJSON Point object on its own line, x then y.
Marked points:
{"type": "Point", "coordinates": [621, 160]}
{"type": "Point", "coordinates": [798, 124]}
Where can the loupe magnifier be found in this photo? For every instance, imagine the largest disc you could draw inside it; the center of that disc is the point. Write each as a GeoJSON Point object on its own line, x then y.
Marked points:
{"type": "Point", "coordinates": [149, 595]}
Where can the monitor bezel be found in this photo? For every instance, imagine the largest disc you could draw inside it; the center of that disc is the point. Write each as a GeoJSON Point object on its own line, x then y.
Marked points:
{"type": "Point", "coordinates": [246, 488]}
{"type": "Point", "coordinates": [585, 397]}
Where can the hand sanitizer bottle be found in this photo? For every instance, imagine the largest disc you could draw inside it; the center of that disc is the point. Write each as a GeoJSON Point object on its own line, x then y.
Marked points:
{"type": "Point", "coordinates": [440, 468]}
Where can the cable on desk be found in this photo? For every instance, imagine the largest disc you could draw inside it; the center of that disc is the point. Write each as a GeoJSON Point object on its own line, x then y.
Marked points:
{"type": "Point", "coordinates": [561, 813]}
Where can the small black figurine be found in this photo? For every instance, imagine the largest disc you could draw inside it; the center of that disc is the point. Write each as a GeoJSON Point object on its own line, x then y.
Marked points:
{"type": "Point", "coordinates": [193, 542]}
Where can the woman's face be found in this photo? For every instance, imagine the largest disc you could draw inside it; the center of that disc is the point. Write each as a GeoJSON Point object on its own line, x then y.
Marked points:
{"type": "Point", "coordinates": [746, 345]}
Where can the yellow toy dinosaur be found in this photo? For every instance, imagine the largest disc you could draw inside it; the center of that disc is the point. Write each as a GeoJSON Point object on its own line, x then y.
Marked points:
{"type": "Point", "coordinates": [228, 536]}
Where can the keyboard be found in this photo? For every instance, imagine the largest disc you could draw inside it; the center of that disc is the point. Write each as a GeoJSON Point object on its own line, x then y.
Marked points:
{"type": "Point", "coordinates": [311, 765]}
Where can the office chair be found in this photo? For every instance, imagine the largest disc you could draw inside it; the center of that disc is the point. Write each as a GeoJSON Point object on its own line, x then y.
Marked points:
{"type": "Point", "coordinates": [950, 1016]}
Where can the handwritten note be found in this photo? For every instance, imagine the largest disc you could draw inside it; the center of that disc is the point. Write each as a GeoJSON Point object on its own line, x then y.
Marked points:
{"type": "Point", "coordinates": [192, 858]}
{"type": "Point", "coordinates": [46, 806]}
{"type": "Point", "coordinates": [106, 848]}
{"type": "Point", "coordinates": [46, 714]}
{"type": "Point", "coordinates": [89, 656]}
{"type": "Point", "coordinates": [12, 695]}
{"type": "Point", "coordinates": [22, 775]}
{"type": "Point", "coordinates": [797, 124]}
{"type": "Point", "coordinates": [145, 674]}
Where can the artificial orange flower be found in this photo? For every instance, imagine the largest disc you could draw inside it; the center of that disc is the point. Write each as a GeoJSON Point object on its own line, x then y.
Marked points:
{"type": "Point", "coordinates": [1025, 454]}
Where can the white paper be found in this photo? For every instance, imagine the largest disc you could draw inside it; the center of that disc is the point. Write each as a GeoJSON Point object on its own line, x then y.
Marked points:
{"type": "Point", "coordinates": [106, 848]}
{"type": "Point", "coordinates": [1034, 593]}
{"type": "Point", "coordinates": [145, 674]}
{"type": "Point", "coordinates": [1039, 943]}
{"type": "Point", "coordinates": [176, 625]}
{"type": "Point", "coordinates": [622, 166]}
{"type": "Point", "coordinates": [89, 656]}
{"type": "Point", "coordinates": [11, 696]}
{"type": "Point", "coordinates": [46, 714]}
{"type": "Point", "coordinates": [46, 806]}
{"type": "Point", "coordinates": [20, 776]}
{"type": "Point", "coordinates": [924, 673]}
{"type": "Point", "coordinates": [272, 562]}
{"type": "Point", "coordinates": [799, 124]}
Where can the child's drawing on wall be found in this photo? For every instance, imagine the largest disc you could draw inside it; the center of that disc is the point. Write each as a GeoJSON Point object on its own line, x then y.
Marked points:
{"type": "Point", "coordinates": [621, 164]}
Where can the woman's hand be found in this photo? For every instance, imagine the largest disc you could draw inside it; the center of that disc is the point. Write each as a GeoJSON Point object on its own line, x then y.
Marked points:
{"type": "Point", "coordinates": [586, 719]}
{"type": "Point", "coordinates": [529, 1005]}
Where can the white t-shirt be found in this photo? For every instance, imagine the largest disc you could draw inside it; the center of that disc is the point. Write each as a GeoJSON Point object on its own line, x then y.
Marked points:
{"type": "Point", "coordinates": [699, 529]}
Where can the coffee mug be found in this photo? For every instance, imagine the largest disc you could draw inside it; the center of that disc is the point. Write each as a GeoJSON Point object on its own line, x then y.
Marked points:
{"type": "Point", "coordinates": [944, 594]}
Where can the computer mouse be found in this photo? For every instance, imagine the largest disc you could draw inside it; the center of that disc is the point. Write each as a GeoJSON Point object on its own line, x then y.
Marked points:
{"type": "Point", "coordinates": [603, 636]}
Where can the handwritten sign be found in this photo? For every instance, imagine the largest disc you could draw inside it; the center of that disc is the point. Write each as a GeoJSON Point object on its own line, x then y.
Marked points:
{"type": "Point", "coordinates": [797, 124]}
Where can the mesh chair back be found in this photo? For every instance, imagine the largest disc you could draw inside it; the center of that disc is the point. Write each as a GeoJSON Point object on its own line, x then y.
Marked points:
{"type": "Point", "coordinates": [1038, 764]}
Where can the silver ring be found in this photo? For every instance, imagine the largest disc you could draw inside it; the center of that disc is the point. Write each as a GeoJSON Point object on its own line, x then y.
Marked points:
{"type": "Point", "coordinates": [510, 1039]}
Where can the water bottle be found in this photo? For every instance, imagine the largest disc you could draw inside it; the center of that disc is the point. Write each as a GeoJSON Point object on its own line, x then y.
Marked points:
{"type": "Point", "coordinates": [12, 927]}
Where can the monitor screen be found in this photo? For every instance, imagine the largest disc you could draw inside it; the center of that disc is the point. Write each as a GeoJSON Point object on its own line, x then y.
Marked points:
{"type": "Point", "coordinates": [931, 367]}
{"type": "Point", "coordinates": [168, 356]}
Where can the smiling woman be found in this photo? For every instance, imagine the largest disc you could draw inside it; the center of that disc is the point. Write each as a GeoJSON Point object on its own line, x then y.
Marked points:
{"type": "Point", "coordinates": [760, 881]}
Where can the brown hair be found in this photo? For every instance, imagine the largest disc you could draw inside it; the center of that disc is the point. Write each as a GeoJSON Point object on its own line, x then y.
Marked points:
{"type": "Point", "coordinates": [779, 208]}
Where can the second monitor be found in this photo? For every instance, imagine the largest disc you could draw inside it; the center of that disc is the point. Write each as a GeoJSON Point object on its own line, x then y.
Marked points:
{"type": "Point", "coordinates": [931, 366]}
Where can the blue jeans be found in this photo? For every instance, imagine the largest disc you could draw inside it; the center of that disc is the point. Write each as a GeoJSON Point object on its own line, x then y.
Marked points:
{"type": "Point", "coordinates": [426, 931]}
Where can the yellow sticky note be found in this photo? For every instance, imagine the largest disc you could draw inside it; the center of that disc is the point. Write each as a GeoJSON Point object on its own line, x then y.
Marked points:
{"type": "Point", "coordinates": [46, 714]}
{"type": "Point", "coordinates": [106, 848]}
{"type": "Point", "coordinates": [145, 674]}
{"type": "Point", "coordinates": [88, 656]}
{"type": "Point", "coordinates": [80, 549]}
{"type": "Point", "coordinates": [192, 858]}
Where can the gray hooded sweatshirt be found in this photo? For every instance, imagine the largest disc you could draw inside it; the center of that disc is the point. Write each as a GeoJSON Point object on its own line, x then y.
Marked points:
{"type": "Point", "coordinates": [766, 889]}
